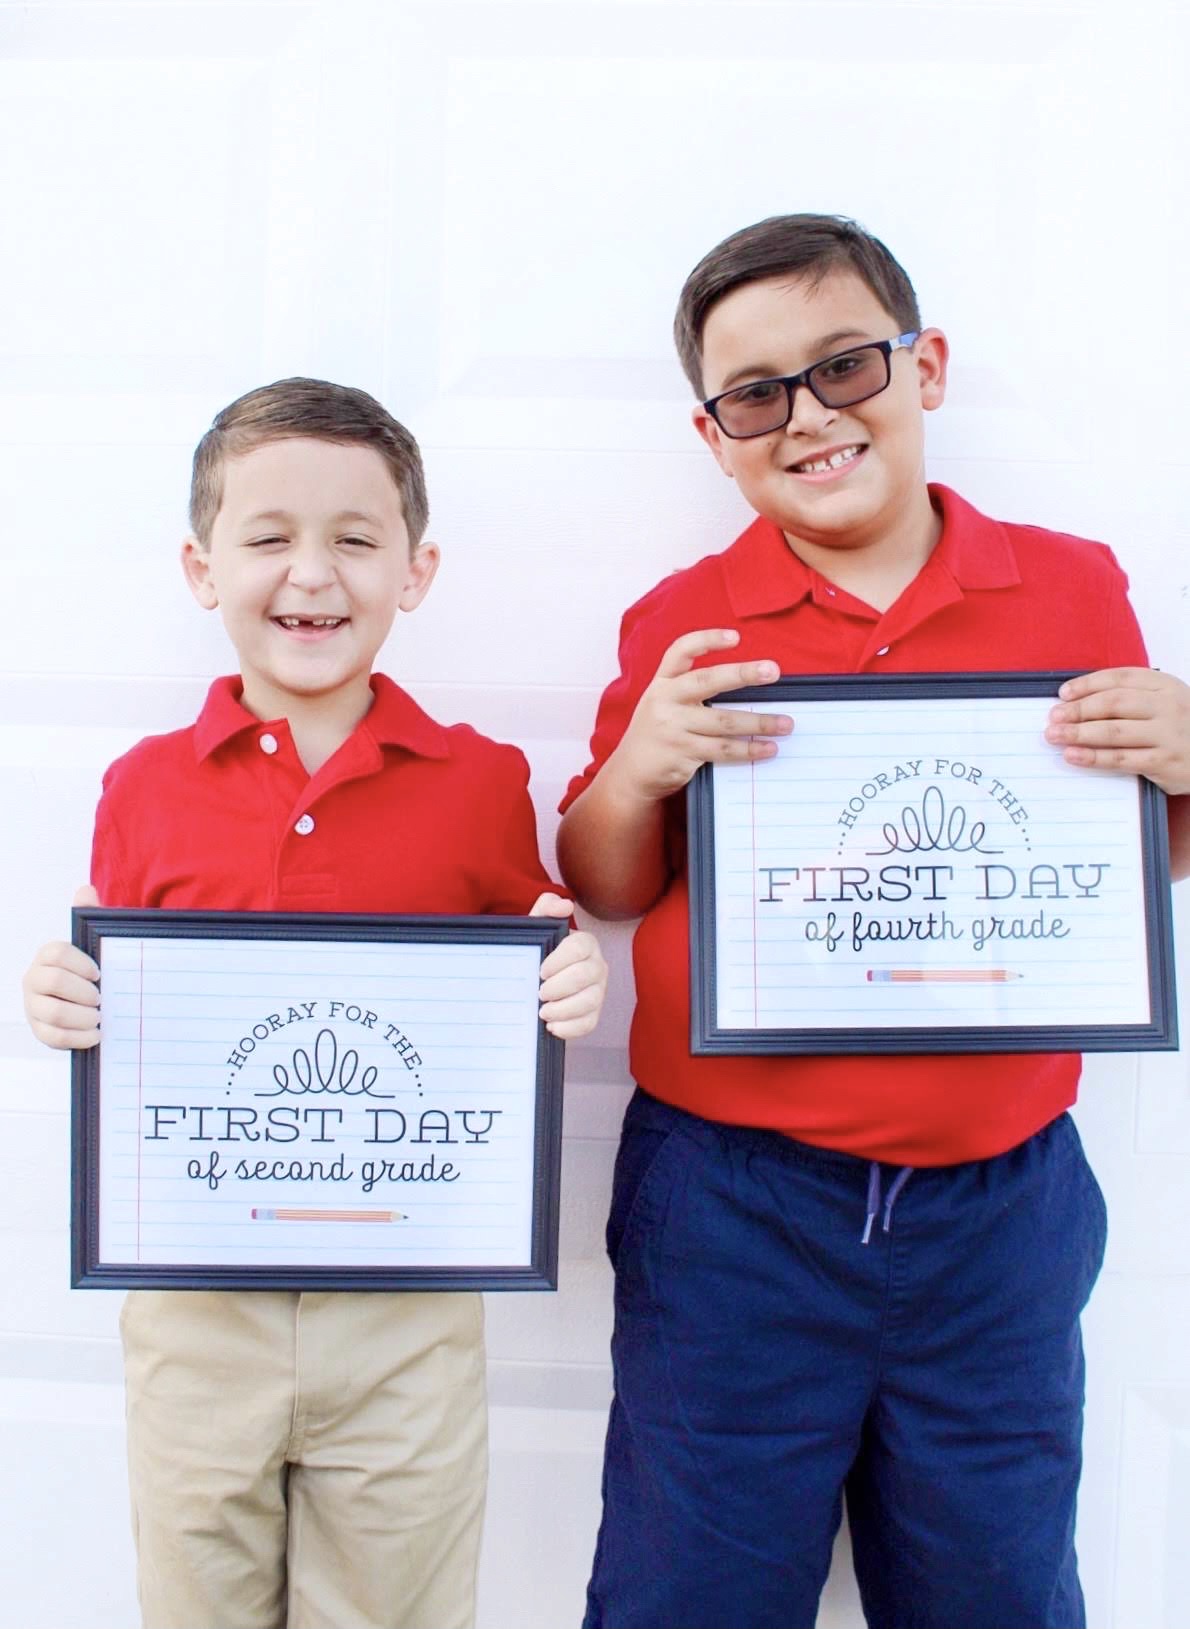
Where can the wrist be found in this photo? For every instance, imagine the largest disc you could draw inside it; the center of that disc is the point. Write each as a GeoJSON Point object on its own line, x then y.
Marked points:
{"type": "Point", "coordinates": [630, 796]}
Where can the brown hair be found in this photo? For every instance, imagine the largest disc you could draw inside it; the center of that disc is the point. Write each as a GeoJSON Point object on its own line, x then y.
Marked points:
{"type": "Point", "coordinates": [306, 407]}
{"type": "Point", "coordinates": [797, 246]}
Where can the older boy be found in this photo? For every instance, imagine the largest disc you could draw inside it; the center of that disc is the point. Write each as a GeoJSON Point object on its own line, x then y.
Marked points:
{"type": "Point", "coordinates": [768, 1358]}
{"type": "Point", "coordinates": [310, 1459]}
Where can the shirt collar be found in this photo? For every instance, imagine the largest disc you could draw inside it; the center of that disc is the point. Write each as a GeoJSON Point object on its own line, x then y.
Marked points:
{"type": "Point", "coordinates": [393, 720]}
{"type": "Point", "coordinates": [976, 550]}
{"type": "Point", "coordinates": [764, 575]}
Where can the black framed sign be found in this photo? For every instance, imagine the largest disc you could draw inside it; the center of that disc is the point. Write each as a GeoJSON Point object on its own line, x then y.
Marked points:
{"type": "Point", "coordinates": [919, 870]}
{"type": "Point", "coordinates": [316, 1102]}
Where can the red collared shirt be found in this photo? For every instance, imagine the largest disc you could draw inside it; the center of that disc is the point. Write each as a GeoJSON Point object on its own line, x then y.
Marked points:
{"type": "Point", "coordinates": [408, 816]}
{"type": "Point", "coordinates": [992, 597]}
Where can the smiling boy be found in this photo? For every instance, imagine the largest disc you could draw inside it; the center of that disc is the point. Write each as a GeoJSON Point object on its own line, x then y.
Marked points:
{"type": "Point", "coordinates": [841, 1277]}
{"type": "Point", "coordinates": [310, 1459]}
{"type": "Point", "coordinates": [307, 622]}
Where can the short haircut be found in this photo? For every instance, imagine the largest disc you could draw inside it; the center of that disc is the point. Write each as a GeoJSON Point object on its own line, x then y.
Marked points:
{"type": "Point", "coordinates": [306, 407]}
{"type": "Point", "coordinates": [797, 246]}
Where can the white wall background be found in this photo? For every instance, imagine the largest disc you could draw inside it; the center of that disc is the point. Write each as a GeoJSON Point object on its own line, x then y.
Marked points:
{"type": "Point", "coordinates": [483, 214]}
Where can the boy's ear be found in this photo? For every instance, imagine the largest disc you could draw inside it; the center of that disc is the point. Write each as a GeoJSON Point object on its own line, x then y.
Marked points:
{"type": "Point", "coordinates": [932, 352]}
{"type": "Point", "coordinates": [196, 564]}
{"type": "Point", "coordinates": [423, 563]}
{"type": "Point", "coordinates": [711, 434]}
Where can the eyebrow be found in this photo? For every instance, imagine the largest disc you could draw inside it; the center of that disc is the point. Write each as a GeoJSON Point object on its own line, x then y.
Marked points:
{"type": "Point", "coordinates": [823, 347]}
{"type": "Point", "coordinates": [345, 516]}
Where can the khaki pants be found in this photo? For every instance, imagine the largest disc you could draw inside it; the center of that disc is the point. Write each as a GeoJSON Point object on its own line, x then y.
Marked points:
{"type": "Point", "coordinates": [316, 1461]}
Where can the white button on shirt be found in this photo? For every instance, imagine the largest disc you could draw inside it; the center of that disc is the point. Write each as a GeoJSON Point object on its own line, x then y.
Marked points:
{"type": "Point", "coordinates": [268, 743]}
{"type": "Point", "coordinates": [304, 826]}
{"type": "Point", "coordinates": [883, 651]}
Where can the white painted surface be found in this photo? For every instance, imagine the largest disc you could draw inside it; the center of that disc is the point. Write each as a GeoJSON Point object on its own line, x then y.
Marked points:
{"type": "Point", "coordinates": [483, 213]}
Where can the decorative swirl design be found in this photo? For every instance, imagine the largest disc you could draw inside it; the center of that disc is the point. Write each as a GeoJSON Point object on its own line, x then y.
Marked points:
{"type": "Point", "coordinates": [934, 829]}
{"type": "Point", "coordinates": [326, 1073]}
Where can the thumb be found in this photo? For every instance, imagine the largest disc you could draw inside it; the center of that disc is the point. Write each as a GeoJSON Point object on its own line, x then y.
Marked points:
{"type": "Point", "coordinates": [551, 905]}
{"type": "Point", "coordinates": [85, 896]}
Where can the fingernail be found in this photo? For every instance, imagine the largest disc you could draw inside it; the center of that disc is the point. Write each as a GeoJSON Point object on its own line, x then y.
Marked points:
{"type": "Point", "coordinates": [768, 670]}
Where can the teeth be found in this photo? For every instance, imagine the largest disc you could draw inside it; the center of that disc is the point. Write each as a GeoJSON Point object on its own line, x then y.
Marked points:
{"type": "Point", "coordinates": [819, 465]}
{"type": "Point", "coordinates": [314, 622]}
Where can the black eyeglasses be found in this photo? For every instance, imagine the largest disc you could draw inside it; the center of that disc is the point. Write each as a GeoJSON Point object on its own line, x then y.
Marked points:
{"type": "Point", "coordinates": [837, 381]}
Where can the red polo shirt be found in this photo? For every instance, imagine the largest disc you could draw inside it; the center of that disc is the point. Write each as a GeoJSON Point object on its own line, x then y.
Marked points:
{"type": "Point", "coordinates": [992, 597]}
{"type": "Point", "coordinates": [408, 815]}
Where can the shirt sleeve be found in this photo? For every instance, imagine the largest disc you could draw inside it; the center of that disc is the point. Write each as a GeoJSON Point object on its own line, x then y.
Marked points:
{"type": "Point", "coordinates": [109, 871]}
{"type": "Point", "coordinates": [1125, 644]}
{"type": "Point", "coordinates": [515, 875]}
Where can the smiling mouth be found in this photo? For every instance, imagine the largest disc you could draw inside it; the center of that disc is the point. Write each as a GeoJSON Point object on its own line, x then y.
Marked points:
{"type": "Point", "coordinates": [309, 622]}
{"type": "Point", "coordinates": [823, 466]}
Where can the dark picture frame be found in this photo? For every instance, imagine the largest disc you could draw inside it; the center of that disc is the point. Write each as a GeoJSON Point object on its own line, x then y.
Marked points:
{"type": "Point", "coordinates": [320, 1053]}
{"type": "Point", "coordinates": [924, 819]}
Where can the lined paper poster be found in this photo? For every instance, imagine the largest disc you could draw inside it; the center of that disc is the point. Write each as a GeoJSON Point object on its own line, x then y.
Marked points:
{"type": "Point", "coordinates": [926, 863]}
{"type": "Point", "coordinates": [278, 1102]}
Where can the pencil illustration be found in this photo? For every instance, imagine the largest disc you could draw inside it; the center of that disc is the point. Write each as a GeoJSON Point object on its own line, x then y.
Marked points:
{"type": "Point", "coordinates": [328, 1216]}
{"type": "Point", "coordinates": [940, 975]}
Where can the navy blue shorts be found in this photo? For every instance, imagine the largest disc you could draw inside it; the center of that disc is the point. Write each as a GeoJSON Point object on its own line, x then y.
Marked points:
{"type": "Point", "coordinates": [768, 1364]}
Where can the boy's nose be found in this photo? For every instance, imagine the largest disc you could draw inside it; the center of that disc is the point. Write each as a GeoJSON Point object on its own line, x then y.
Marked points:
{"type": "Point", "coordinates": [311, 566]}
{"type": "Point", "coordinates": [809, 416]}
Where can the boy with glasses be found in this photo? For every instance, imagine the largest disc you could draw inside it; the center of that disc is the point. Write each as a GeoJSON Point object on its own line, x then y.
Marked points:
{"type": "Point", "coordinates": [856, 1275]}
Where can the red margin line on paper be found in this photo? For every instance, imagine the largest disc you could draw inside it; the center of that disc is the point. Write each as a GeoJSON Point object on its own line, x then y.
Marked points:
{"type": "Point", "coordinates": [752, 884]}
{"type": "Point", "coordinates": [140, 1087]}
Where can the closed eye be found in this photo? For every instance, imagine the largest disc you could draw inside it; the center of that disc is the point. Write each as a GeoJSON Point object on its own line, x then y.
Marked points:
{"type": "Point", "coordinates": [359, 542]}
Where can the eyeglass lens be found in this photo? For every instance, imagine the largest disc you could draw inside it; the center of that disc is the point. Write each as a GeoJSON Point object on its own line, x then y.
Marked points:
{"type": "Point", "coordinates": [840, 381]}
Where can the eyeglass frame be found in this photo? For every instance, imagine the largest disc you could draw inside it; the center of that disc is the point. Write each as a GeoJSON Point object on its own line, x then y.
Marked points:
{"type": "Point", "coordinates": [794, 381]}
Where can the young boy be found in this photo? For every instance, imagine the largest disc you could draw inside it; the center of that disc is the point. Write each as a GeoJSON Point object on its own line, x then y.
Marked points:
{"type": "Point", "coordinates": [767, 1359]}
{"type": "Point", "coordinates": [310, 1459]}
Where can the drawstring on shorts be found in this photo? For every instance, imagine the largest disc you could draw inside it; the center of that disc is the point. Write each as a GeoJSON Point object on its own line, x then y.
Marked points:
{"type": "Point", "coordinates": [898, 1182]}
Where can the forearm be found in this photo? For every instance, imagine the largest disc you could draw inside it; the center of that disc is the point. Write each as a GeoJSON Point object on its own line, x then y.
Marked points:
{"type": "Point", "coordinates": [611, 849]}
{"type": "Point", "coordinates": [1179, 836]}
